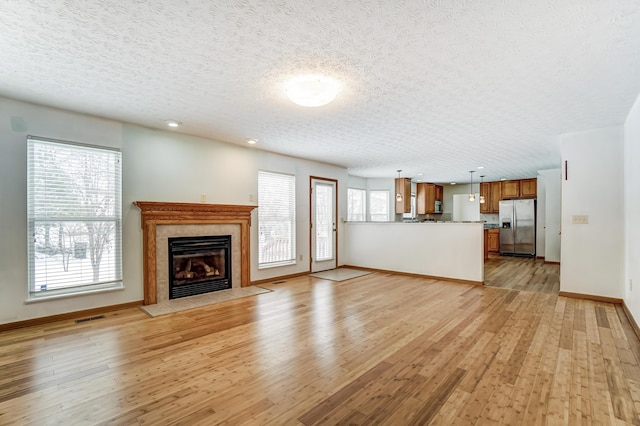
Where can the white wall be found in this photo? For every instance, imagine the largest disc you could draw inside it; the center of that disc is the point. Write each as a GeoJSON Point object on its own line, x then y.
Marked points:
{"type": "Point", "coordinates": [157, 166]}
{"type": "Point", "coordinates": [406, 247]}
{"type": "Point", "coordinates": [465, 210]}
{"type": "Point", "coordinates": [592, 255]}
{"type": "Point", "coordinates": [632, 210]}
{"type": "Point", "coordinates": [540, 215]}
{"type": "Point", "coordinates": [357, 182]}
{"type": "Point", "coordinates": [448, 191]}
{"type": "Point", "coordinates": [17, 120]}
{"type": "Point", "coordinates": [551, 200]}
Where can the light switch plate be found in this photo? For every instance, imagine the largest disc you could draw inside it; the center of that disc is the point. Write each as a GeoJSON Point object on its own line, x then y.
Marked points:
{"type": "Point", "coordinates": [580, 219]}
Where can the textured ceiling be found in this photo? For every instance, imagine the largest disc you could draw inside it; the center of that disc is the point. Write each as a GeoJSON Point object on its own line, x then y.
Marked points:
{"type": "Point", "coordinates": [435, 86]}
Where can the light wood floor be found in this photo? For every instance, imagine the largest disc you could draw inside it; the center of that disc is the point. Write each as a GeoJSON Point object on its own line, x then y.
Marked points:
{"type": "Point", "coordinates": [379, 349]}
{"type": "Point", "coordinates": [522, 273]}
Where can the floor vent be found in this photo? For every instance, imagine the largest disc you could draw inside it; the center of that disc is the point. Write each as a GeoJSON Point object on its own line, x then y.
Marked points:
{"type": "Point", "coordinates": [279, 282]}
{"type": "Point", "coordinates": [90, 319]}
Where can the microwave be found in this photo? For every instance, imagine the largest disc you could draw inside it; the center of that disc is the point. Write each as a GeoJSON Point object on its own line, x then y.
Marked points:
{"type": "Point", "coordinates": [438, 207]}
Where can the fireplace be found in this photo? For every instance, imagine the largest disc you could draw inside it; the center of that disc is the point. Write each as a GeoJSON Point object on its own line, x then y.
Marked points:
{"type": "Point", "coordinates": [200, 264]}
{"type": "Point", "coordinates": [162, 220]}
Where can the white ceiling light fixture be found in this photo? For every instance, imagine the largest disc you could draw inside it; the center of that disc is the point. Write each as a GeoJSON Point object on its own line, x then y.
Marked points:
{"type": "Point", "coordinates": [472, 196]}
{"type": "Point", "coordinates": [173, 123]}
{"type": "Point", "coordinates": [251, 141]}
{"type": "Point", "coordinates": [312, 90]}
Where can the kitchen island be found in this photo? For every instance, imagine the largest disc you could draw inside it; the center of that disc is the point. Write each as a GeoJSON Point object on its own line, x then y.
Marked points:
{"type": "Point", "coordinates": [443, 250]}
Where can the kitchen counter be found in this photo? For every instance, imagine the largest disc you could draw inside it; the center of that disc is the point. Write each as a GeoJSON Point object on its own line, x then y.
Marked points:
{"type": "Point", "coordinates": [430, 222]}
{"type": "Point", "coordinates": [450, 250]}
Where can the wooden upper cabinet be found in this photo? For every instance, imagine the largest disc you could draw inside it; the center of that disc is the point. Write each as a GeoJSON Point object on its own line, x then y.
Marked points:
{"type": "Point", "coordinates": [510, 189]}
{"type": "Point", "coordinates": [426, 196]}
{"type": "Point", "coordinates": [403, 187]}
{"type": "Point", "coordinates": [485, 191]}
{"type": "Point", "coordinates": [421, 198]}
{"type": "Point", "coordinates": [439, 193]}
{"type": "Point", "coordinates": [496, 196]}
{"type": "Point", "coordinates": [528, 188]}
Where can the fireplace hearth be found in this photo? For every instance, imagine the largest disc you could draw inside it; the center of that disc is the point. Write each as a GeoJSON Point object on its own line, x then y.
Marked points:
{"type": "Point", "coordinates": [200, 264]}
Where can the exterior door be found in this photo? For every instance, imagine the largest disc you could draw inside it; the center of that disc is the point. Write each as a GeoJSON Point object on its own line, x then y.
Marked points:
{"type": "Point", "coordinates": [323, 224]}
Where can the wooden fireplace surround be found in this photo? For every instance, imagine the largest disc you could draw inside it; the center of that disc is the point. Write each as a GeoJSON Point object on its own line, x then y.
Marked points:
{"type": "Point", "coordinates": [159, 213]}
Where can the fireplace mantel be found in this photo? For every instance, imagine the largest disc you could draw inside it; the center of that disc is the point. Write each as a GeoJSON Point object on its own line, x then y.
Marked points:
{"type": "Point", "coordinates": [161, 213]}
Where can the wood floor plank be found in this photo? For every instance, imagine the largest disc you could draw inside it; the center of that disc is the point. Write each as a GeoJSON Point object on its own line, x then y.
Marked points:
{"type": "Point", "coordinates": [380, 349]}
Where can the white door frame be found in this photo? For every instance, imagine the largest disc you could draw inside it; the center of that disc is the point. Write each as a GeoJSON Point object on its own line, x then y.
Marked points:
{"type": "Point", "coordinates": [324, 265]}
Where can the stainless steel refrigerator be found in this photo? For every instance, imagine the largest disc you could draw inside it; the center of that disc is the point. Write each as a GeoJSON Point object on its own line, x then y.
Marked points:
{"type": "Point", "coordinates": [518, 227]}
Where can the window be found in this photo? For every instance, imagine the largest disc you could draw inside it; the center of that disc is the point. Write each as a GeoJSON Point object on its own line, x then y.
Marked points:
{"type": "Point", "coordinates": [74, 214]}
{"type": "Point", "coordinates": [379, 206]}
{"type": "Point", "coordinates": [276, 219]}
{"type": "Point", "coordinates": [356, 205]}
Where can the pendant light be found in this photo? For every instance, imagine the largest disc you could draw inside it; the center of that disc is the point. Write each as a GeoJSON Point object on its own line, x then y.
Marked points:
{"type": "Point", "coordinates": [472, 196]}
{"type": "Point", "coordinates": [482, 200]}
{"type": "Point", "coordinates": [398, 194]}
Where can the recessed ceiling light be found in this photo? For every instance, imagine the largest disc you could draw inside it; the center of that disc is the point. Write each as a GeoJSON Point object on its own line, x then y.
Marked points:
{"type": "Point", "coordinates": [173, 123]}
{"type": "Point", "coordinates": [480, 167]}
{"type": "Point", "coordinates": [503, 179]}
{"type": "Point", "coordinates": [251, 141]}
{"type": "Point", "coordinates": [312, 90]}
{"type": "Point", "coordinates": [453, 183]}
{"type": "Point", "coordinates": [420, 174]}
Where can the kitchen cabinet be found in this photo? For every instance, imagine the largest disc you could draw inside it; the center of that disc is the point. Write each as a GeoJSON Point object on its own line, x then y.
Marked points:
{"type": "Point", "coordinates": [493, 240]}
{"type": "Point", "coordinates": [426, 196]}
{"type": "Point", "coordinates": [485, 191]}
{"type": "Point", "coordinates": [496, 196]}
{"type": "Point", "coordinates": [528, 188]}
{"type": "Point", "coordinates": [492, 192]}
{"type": "Point", "coordinates": [486, 244]}
{"type": "Point", "coordinates": [510, 189]}
{"type": "Point", "coordinates": [403, 187]}
{"type": "Point", "coordinates": [522, 188]}
{"type": "Point", "coordinates": [439, 193]}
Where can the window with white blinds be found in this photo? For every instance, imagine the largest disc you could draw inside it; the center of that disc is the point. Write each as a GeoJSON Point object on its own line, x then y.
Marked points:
{"type": "Point", "coordinates": [276, 219]}
{"type": "Point", "coordinates": [379, 206]}
{"type": "Point", "coordinates": [356, 205]}
{"type": "Point", "coordinates": [74, 214]}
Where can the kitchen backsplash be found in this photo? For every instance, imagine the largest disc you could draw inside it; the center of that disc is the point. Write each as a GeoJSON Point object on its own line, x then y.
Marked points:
{"type": "Point", "coordinates": [489, 217]}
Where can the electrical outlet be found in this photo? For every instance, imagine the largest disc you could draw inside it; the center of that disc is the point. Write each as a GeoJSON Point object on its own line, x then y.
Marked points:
{"type": "Point", "coordinates": [300, 257]}
{"type": "Point", "coordinates": [203, 198]}
{"type": "Point", "coordinates": [580, 219]}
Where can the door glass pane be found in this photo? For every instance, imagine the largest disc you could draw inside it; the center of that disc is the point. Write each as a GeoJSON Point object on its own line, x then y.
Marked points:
{"type": "Point", "coordinates": [324, 222]}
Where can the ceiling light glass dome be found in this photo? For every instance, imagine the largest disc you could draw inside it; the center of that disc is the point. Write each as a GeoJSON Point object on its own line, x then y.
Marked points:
{"type": "Point", "coordinates": [312, 90]}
